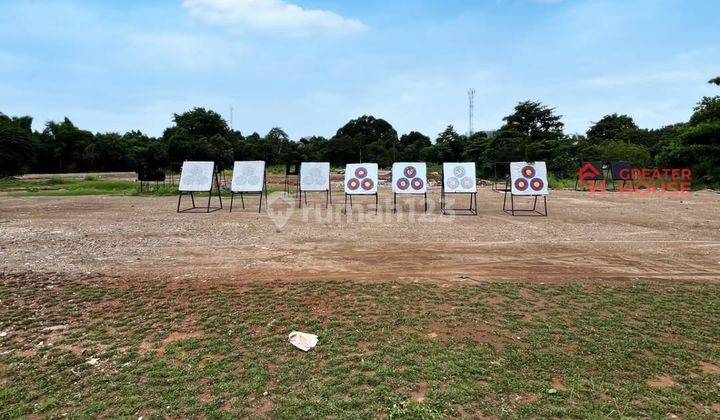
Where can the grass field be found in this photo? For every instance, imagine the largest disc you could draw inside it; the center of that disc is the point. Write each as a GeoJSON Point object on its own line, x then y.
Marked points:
{"type": "Point", "coordinates": [110, 347]}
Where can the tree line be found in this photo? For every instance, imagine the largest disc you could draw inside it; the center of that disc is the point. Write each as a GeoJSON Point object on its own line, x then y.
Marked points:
{"type": "Point", "coordinates": [532, 132]}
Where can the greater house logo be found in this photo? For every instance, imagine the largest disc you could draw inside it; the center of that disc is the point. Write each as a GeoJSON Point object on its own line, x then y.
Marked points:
{"type": "Point", "coordinates": [628, 180]}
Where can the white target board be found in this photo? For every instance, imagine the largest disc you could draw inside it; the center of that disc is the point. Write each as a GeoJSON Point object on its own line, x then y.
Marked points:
{"type": "Point", "coordinates": [409, 177]}
{"type": "Point", "coordinates": [528, 178]}
{"type": "Point", "coordinates": [315, 176]}
{"type": "Point", "coordinates": [361, 178]}
{"type": "Point", "coordinates": [459, 177]}
{"type": "Point", "coordinates": [248, 176]}
{"type": "Point", "coordinates": [196, 176]}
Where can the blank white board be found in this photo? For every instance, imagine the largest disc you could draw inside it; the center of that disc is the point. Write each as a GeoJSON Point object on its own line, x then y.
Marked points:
{"type": "Point", "coordinates": [315, 176]}
{"type": "Point", "coordinates": [409, 177]}
{"type": "Point", "coordinates": [459, 177]}
{"type": "Point", "coordinates": [528, 178]}
{"type": "Point", "coordinates": [248, 176]}
{"type": "Point", "coordinates": [361, 178]}
{"type": "Point", "coordinates": [196, 176]}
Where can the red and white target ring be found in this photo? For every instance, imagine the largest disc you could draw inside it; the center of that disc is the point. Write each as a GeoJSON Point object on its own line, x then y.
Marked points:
{"type": "Point", "coordinates": [521, 184]}
{"type": "Point", "coordinates": [353, 184]}
{"type": "Point", "coordinates": [528, 171]}
{"type": "Point", "coordinates": [537, 184]}
{"type": "Point", "coordinates": [367, 184]}
{"type": "Point", "coordinates": [403, 183]}
{"type": "Point", "coordinates": [361, 172]}
{"type": "Point", "coordinates": [417, 183]}
{"type": "Point", "coordinates": [410, 172]}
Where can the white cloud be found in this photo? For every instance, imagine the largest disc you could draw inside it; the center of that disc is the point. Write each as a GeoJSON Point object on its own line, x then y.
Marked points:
{"type": "Point", "coordinates": [270, 15]}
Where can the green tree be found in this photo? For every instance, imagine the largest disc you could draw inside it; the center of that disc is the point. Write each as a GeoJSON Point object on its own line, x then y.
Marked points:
{"type": "Point", "coordinates": [612, 127]}
{"type": "Point", "coordinates": [365, 139]}
{"type": "Point", "coordinates": [312, 149]}
{"type": "Point", "coordinates": [279, 147]}
{"type": "Point", "coordinates": [411, 145]}
{"type": "Point", "coordinates": [199, 134]}
{"type": "Point", "coordinates": [524, 133]}
{"type": "Point", "coordinates": [64, 144]}
{"type": "Point", "coordinates": [16, 145]}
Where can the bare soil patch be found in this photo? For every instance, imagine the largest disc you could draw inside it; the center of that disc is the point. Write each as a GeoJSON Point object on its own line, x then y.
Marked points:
{"type": "Point", "coordinates": [585, 239]}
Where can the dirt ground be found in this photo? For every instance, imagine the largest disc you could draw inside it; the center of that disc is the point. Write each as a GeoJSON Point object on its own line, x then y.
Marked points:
{"type": "Point", "coordinates": [611, 238]}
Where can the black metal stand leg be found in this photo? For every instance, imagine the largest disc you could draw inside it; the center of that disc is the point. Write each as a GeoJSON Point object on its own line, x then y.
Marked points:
{"type": "Point", "coordinates": [535, 203]}
{"type": "Point", "coordinates": [345, 205]}
{"type": "Point", "coordinates": [376, 203]}
{"type": "Point", "coordinates": [545, 199]}
{"type": "Point", "coordinates": [192, 197]}
{"type": "Point", "coordinates": [394, 202]}
{"type": "Point", "coordinates": [242, 200]}
{"type": "Point", "coordinates": [232, 198]}
{"type": "Point", "coordinates": [426, 202]}
{"type": "Point", "coordinates": [179, 198]}
{"type": "Point", "coordinates": [512, 204]}
{"type": "Point", "coordinates": [476, 207]}
{"type": "Point", "coordinates": [209, 198]}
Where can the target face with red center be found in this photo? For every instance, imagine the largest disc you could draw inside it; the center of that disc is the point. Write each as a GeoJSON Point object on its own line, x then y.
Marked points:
{"type": "Point", "coordinates": [537, 184]}
{"type": "Point", "coordinates": [361, 178]}
{"type": "Point", "coordinates": [417, 183]}
{"type": "Point", "coordinates": [528, 172]}
{"type": "Point", "coordinates": [528, 178]}
{"type": "Point", "coordinates": [459, 177]}
{"type": "Point", "coordinates": [367, 184]}
{"type": "Point", "coordinates": [409, 177]}
{"type": "Point", "coordinates": [248, 176]}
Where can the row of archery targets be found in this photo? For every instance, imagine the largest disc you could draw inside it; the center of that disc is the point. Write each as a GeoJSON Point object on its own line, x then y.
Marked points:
{"type": "Point", "coordinates": [527, 179]}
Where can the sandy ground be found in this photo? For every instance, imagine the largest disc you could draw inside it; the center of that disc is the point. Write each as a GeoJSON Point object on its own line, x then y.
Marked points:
{"type": "Point", "coordinates": [611, 238]}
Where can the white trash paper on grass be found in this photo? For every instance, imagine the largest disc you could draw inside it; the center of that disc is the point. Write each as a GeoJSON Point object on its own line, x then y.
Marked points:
{"type": "Point", "coordinates": [303, 341]}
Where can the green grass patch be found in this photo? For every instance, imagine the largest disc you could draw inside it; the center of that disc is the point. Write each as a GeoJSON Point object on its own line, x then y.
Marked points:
{"type": "Point", "coordinates": [112, 347]}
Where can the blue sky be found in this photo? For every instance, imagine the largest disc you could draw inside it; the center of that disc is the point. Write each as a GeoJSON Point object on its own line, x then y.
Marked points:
{"type": "Point", "coordinates": [309, 66]}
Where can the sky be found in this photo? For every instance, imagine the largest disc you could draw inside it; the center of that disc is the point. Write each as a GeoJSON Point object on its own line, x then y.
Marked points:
{"type": "Point", "coordinates": [309, 66]}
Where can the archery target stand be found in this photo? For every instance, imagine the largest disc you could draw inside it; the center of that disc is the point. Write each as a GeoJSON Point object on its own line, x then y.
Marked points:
{"type": "Point", "coordinates": [621, 171]}
{"type": "Point", "coordinates": [314, 177]}
{"type": "Point", "coordinates": [292, 169]}
{"type": "Point", "coordinates": [198, 177]}
{"type": "Point", "coordinates": [590, 171]}
{"type": "Point", "coordinates": [505, 168]}
{"type": "Point", "coordinates": [249, 178]}
{"type": "Point", "coordinates": [459, 178]}
{"type": "Point", "coordinates": [409, 178]}
{"type": "Point", "coordinates": [527, 179]}
{"type": "Point", "coordinates": [361, 179]}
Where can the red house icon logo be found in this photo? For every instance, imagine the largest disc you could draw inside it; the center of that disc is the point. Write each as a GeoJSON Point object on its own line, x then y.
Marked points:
{"type": "Point", "coordinates": [588, 176]}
